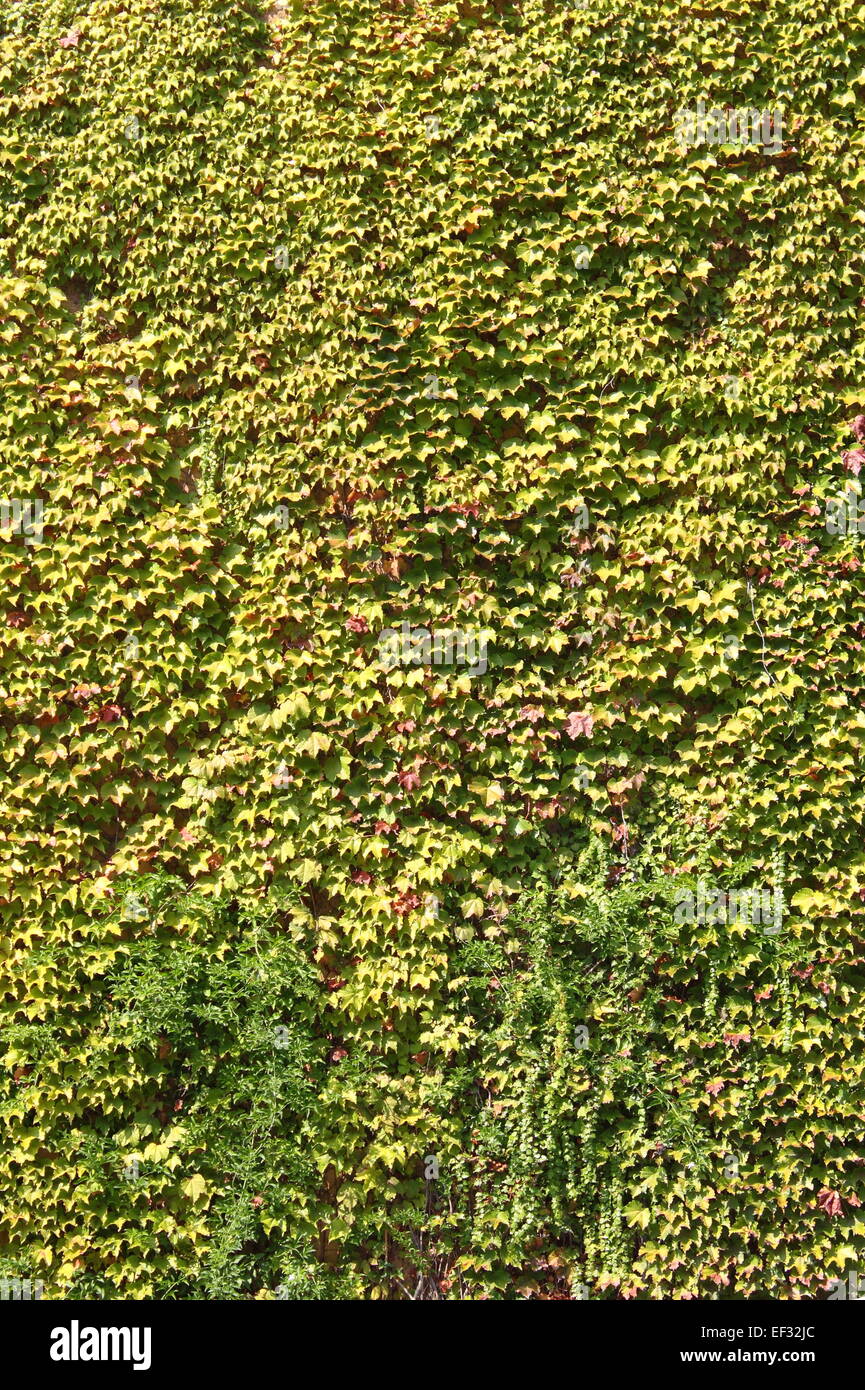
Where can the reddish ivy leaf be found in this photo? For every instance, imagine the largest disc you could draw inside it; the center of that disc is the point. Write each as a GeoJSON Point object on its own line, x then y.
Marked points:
{"type": "Point", "coordinates": [830, 1202]}
{"type": "Point", "coordinates": [579, 724]}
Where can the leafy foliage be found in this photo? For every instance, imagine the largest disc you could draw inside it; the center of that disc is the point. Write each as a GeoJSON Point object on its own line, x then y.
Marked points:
{"type": "Point", "coordinates": [657, 1093]}
{"type": "Point", "coordinates": [332, 314]}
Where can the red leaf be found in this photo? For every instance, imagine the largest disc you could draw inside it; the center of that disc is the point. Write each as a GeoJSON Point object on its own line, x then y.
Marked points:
{"type": "Point", "coordinates": [579, 724]}
{"type": "Point", "coordinates": [531, 713]}
{"type": "Point", "coordinates": [405, 903]}
{"type": "Point", "coordinates": [830, 1202]}
{"type": "Point", "coordinates": [82, 693]}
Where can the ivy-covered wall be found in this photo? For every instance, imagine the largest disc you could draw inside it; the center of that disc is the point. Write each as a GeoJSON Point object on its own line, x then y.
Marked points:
{"type": "Point", "coordinates": [429, 549]}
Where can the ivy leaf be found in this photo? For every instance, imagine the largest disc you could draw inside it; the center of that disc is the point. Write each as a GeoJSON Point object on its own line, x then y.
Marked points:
{"type": "Point", "coordinates": [195, 1187]}
{"type": "Point", "coordinates": [579, 725]}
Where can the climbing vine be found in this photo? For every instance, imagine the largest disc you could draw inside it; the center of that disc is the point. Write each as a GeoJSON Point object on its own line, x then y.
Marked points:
{"type": "Point", "coordinates": [328, 319]}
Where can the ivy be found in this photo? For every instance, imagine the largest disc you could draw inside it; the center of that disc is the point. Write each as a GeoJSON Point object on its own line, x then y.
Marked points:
{"type": "Point", "coordinates": [331, 319]}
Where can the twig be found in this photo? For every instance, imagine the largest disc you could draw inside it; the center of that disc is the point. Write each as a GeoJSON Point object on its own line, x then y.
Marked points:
{"type": "Point", "coordinates": [769, 675]}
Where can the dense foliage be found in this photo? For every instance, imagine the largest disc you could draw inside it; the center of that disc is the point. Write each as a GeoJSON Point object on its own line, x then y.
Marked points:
{"type": "Point", "coordinates": [323, 318]}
